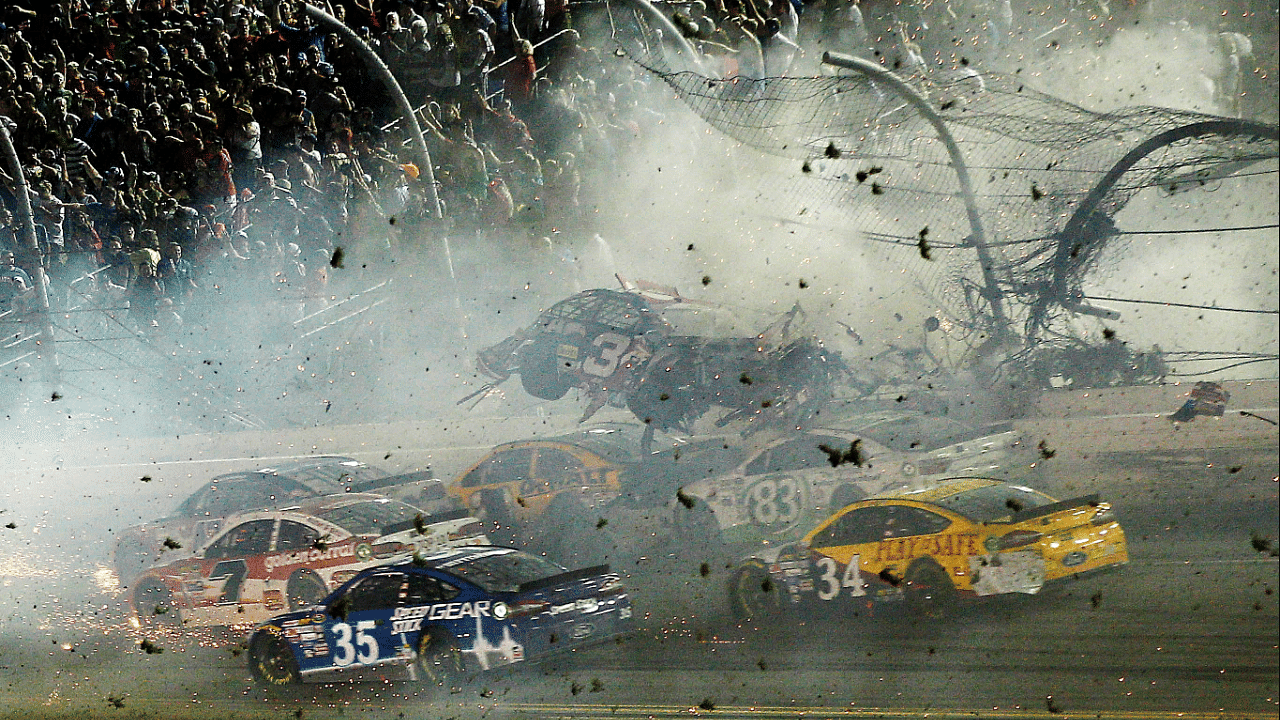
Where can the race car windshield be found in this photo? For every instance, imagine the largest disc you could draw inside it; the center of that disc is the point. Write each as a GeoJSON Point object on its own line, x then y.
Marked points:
{"type": "Point", "coordinates": [994, 503]}
{"type": "Point", "coordinates": [231, 494]}
{"type": "Point", "coordinates": [505, 572]}
{"type": "Point", "coordinates": [376, 517]}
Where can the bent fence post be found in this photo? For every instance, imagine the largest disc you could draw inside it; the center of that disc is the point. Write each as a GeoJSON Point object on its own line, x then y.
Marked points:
{"type": "Point", "coordinates": [397, 93]}
{"type": "Point", "coordinates": [1085, 217]}
{"type": "Point", "coordinates": [670, 31]}
{"type": "Point", "coordinates": [27, 237]}
{"type": "Point", "coordinates": [978, 238]}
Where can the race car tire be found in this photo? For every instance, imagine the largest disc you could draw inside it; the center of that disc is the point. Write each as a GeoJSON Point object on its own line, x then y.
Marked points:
{"type": "Point", "coordinates": [753, 595]}
{"type": "Point", "coordinates": [439, 660]}
{"type": "Point", "coordinates": [304, 589]}
{"type": "Point", "coordinates": [154, 604]}
{"type": "Point", "coordinates": [845, 495]}
{"type": "Point", "coordinates": [929, 592]}
{"type": "Point", "coordinates": [540, 373]}
{"type": "Point", "coordinates": [271, 660]}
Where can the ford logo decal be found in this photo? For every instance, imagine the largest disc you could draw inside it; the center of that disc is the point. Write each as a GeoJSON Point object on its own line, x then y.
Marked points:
{"type": "Point", "coordinates": [1073, 559]}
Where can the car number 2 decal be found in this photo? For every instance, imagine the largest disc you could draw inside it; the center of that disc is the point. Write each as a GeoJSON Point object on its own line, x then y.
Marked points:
{"type": "Point", "coordinates": [364, 650]}
{"type": "Point", "coordinates": [773, 501]}
{"type": "Point", "coordinates": [830, 586]}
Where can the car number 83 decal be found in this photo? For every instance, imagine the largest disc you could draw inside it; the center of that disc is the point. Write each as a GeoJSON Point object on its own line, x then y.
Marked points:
{"type": "Point", "coordinates": [363, 650]}
{"type": "Point", "coordinates": [829, 586]}
{"type": "Point", "coordinates": [774, 501]}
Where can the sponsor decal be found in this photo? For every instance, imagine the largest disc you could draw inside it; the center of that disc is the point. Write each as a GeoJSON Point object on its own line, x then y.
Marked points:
{"type": "Point", "coordinates": [1073, 559]}
{"type": "Point", "coordinates": [313, 555]}
{"type": "Point", "coordinates": [404, 620]}
{"type": "Point", "coordinates": [582, 630]}
{"type": "Point", "coordinates": [907, 548]}
{"type": "Point", "coordinates": [584, 605]}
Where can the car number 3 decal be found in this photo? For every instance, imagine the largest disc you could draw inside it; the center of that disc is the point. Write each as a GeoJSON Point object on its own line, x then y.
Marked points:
{"type": "Point", "coordinates": [363, 651]}
{"type": "Point", "coordinates": [773, 501]}
{"type": "Point", "coordinates": [830, 586]}
{"type": "Point", "coordinates": [610, 348]}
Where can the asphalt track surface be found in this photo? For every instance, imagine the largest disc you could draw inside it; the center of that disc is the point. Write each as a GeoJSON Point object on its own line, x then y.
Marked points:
{"type": "Point", "coordinates": [1190, 629]}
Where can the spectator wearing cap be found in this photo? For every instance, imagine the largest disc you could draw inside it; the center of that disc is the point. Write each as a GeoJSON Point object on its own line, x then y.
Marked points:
{"type": "Point", "coordinates": [50, 213]}
{"type": "Point", "coordinates": [147, 252]}
{"type": "Point", "coordinates": [147, 296]}
{"type": "Point", "coordinates": [475, 47]}
{"type": "Point", "coordinates": [329, 95]}
{"type": "Point", "coordinates": [177, 274]}
{"type": "Point", "coordinates": [517, 83]}
{"type": "Point", "coordinates": [214, 182]}
{"type": "Point", "coordinates": [244, 142]}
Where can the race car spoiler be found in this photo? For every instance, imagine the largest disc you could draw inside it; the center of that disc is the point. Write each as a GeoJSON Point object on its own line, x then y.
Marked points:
{"type": "Point", "coordinates": [439, 517]}
{"type": "Point", "coordinates": [564, 577]}
{"type": "Point", "coordinates": [1092, 500]}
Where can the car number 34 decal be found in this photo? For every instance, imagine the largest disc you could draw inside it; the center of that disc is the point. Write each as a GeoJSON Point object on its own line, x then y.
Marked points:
{"type": "Point", "coordinates": [773, 501]}
{"type": "Point", "coordinates": [363, 650]}
{"type": "Point", "coordinates": [829, 586]}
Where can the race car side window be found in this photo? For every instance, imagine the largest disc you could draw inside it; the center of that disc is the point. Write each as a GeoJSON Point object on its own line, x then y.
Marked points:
{"type": "Point", "coordinates": [424, 590]}
{"type": "Point", "coordinates": [295, 535]}
{"type": "Point", "coordinates": [251, 538]}
{"type": "Point", "coordinates": [856, 527]}
{"type": "Point", "coordinates": [905, 521]}
{"type": "Point", "coordinates": [559, 469]}
{"type": "Point", "coordinates": [376, 592]}
{"type": "Point", "coordinates": [511, 466]}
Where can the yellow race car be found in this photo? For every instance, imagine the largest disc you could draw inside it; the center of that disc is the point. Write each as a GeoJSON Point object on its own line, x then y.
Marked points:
{"type": "Point", "coordinates": [962, 538]}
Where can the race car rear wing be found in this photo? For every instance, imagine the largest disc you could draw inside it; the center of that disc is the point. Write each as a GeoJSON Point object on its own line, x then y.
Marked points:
{"type": "Point", "coordinates": [564, 577]}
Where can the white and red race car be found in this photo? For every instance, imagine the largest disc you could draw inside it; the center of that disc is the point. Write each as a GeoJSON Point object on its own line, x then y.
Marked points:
{"type": "Point", "coordinates": [267, 561]}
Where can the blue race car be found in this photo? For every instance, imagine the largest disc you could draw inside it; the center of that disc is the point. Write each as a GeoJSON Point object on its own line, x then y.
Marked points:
{"type": "Point", "coordinates": [439, 616]}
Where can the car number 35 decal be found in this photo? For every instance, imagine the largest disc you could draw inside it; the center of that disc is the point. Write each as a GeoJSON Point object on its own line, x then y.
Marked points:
{"type": "Point", "coordinates": [364, 650]}
{"type": "Point", "coordinates": [774, 501]}
{"type": "Point", "coordinates": [829, 586]}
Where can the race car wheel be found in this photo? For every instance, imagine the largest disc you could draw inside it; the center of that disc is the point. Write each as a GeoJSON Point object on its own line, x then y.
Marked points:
{"type": "Point", "coordinates": [154, 604]}
{"type": "Point", "coordinates": [439, 660]}
{"type": "Point", "coordinates": [540, 372]}
{"type": "Point", "coordinates": [929, 592]}
{"type": "Point", "coordinates": [271, 660]}
{"type": "Point", "coordinates": [305, 588]}
{"type": "Point", "coordinates": [753, 595]}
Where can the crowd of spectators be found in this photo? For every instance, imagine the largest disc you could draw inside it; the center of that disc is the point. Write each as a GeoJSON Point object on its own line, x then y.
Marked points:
{"type": "Point", "coordinates": [178, 149]}
{"type": "Point", "coordinates": [175, 150]}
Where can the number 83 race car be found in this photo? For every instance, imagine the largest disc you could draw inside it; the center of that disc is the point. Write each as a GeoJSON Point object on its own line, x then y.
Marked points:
{"type": "Point", "coordinates": [441, 615]}
{"type": "Point", "coordinates": [963, 538]}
